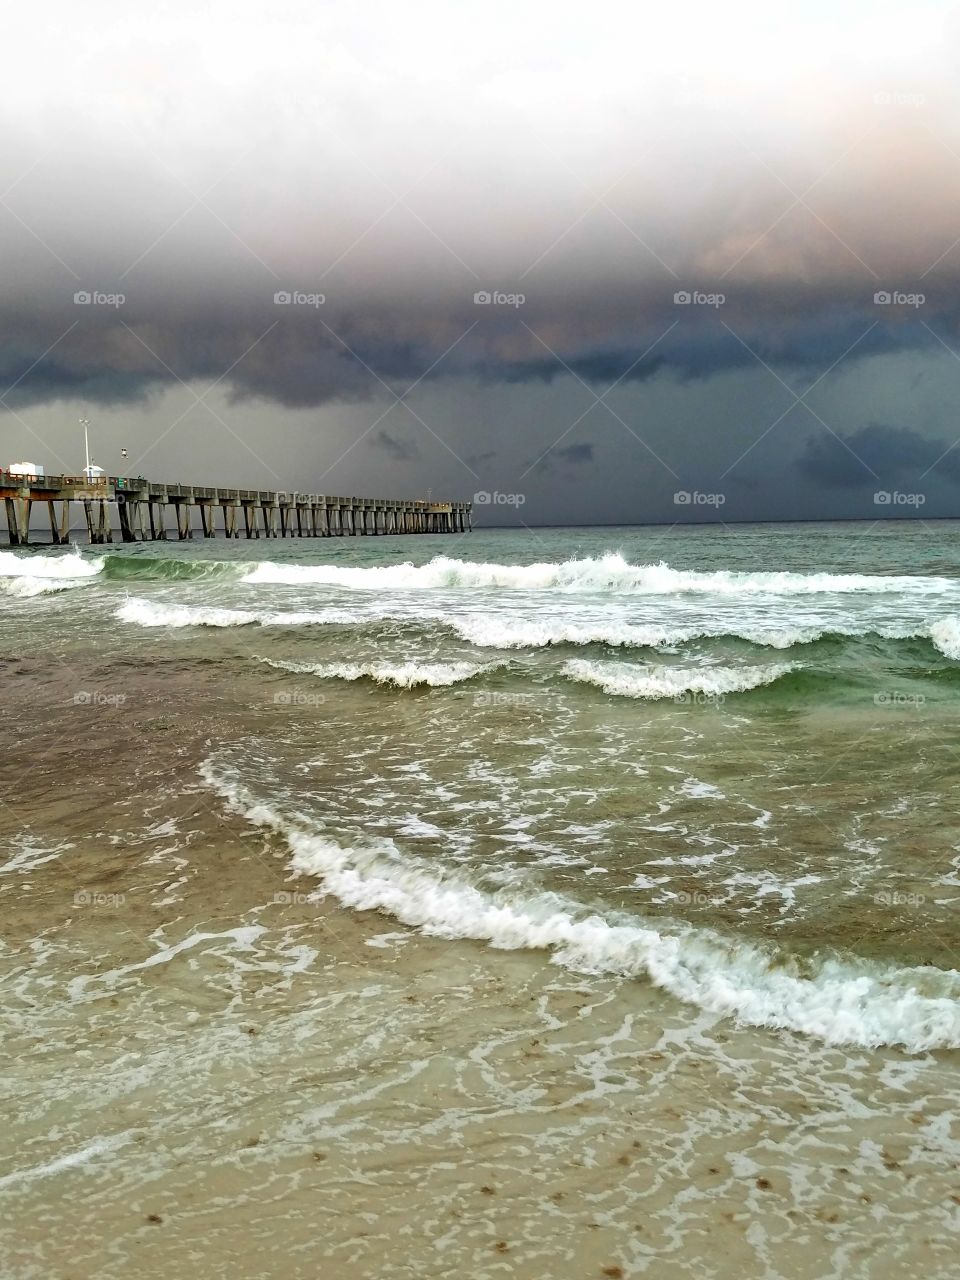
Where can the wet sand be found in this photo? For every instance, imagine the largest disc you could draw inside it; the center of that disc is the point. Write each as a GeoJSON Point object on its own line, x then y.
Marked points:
{"type": "Point", "coordinates": [207, 1068]}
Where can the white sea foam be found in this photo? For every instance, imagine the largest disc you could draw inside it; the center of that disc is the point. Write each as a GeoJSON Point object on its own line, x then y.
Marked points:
{"type": "Point", "coordinates": [486, 630]}
{"type": "Point", "coordinates": [147, 613]}
{"type": "Point", "coordinates": [26, 588]}
{"type": "Point", "coordinates": [607, 573]}
{"type": "Point", "coordinates": [29, 853]}
{"type": "Point", "coordinates": [945, 634]}
{"type": "Point", "coordinates": [403, 675]}
{"type": "Point", "coordinates": [841, 1002]}
{"type": "Point", "coordinates": [69, 1160]}
{"type": "Point", "coordinates": [57, 570]}
{"type": "Point", "coordinates": [635, 681]}
{"type": "Point", "coordinates": [494, 631]}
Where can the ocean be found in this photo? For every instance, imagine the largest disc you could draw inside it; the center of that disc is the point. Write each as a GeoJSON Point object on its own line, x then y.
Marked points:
{"type": "Point", "coordinates": [561, 902]}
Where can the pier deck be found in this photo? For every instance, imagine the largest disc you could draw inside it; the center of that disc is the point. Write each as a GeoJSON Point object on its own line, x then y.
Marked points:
{"type": "Point", "coordinates": [138, 511]}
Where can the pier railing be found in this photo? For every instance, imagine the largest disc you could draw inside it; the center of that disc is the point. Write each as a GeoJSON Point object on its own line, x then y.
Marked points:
{"type": "Point", "coordinates": [140, 510]}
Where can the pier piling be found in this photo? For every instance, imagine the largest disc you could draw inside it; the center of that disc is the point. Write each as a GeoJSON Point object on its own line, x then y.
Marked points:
{"type": "Point", "coordinates": [141, 508]}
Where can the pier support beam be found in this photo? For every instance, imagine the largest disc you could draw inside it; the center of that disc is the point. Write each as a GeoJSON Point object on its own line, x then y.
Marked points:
{"type": "Point", "coordinates": [18, 521]}
{"type": "Point", "coordinates": [266, 514]}
{"type": "Point", "coordinates": [126, 529]}
{"type": "Point", "coordinates": [229, 520]}
{"type": "Point", "coordinates": [59, 529]}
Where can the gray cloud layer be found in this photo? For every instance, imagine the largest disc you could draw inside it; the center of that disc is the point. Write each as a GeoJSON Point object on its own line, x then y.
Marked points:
{"type": "Point", "coordinates": [398, 173]}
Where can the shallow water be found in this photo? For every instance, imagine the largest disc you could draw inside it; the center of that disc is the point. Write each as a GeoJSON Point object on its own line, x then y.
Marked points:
{"type": "Point", "coordinates": [613, 871]}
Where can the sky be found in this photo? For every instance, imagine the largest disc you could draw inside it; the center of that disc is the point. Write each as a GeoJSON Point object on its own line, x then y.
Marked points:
{"type": "Point", "coordinates": [618, 263]}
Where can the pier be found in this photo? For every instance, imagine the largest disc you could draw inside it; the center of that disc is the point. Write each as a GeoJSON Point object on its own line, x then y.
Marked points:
{"type": "Point", "coordinates": [139, 510]}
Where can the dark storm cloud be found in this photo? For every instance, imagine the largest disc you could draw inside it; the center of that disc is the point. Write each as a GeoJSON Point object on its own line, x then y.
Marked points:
{"type": "Point", "coordinates": [340, 354]}
{"type": "Point", "coordinates": [575, 454]}
{"type": "Point", "coordinates": [877, 452]}
{"type": "Point", "coordinates": [394, 447]}
{"type": "Point", "coordinates": [568, 456]}
{"type": "Point", "coordinates": [478, 459]}
{"type": "Point", "coordinates": [304, 248]}
{"type": "Point", "coordinates": [348, 207]}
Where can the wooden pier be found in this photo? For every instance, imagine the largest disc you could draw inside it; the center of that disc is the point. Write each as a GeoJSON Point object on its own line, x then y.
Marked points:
{"type": "Point", "coordinates": [139, 510]}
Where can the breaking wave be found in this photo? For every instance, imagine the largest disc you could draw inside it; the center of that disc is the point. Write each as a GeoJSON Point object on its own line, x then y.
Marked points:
{"type": "Point", "coordinates": [146, 613]}
{"type": "Point", "coordinates": [64, 568]}
{"type": "Point", "coordinates": [607, 573]}
{"type": "Point", "coordinates": [626, 681]}
{"type": "Point", "coordinates": [402, 675]}
{"type": "Point", "coordinates": [839, 1001]}
{"type": "Point", "coordinates": [945, 634]}
{"type": "Point", "coordinates": [492, 631]}
{"type": "Point", "coordinates": [26, 588]}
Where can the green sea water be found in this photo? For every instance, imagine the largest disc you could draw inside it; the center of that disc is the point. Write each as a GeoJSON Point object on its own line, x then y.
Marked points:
{"type": "Point", "coordinates": [700, 780]}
